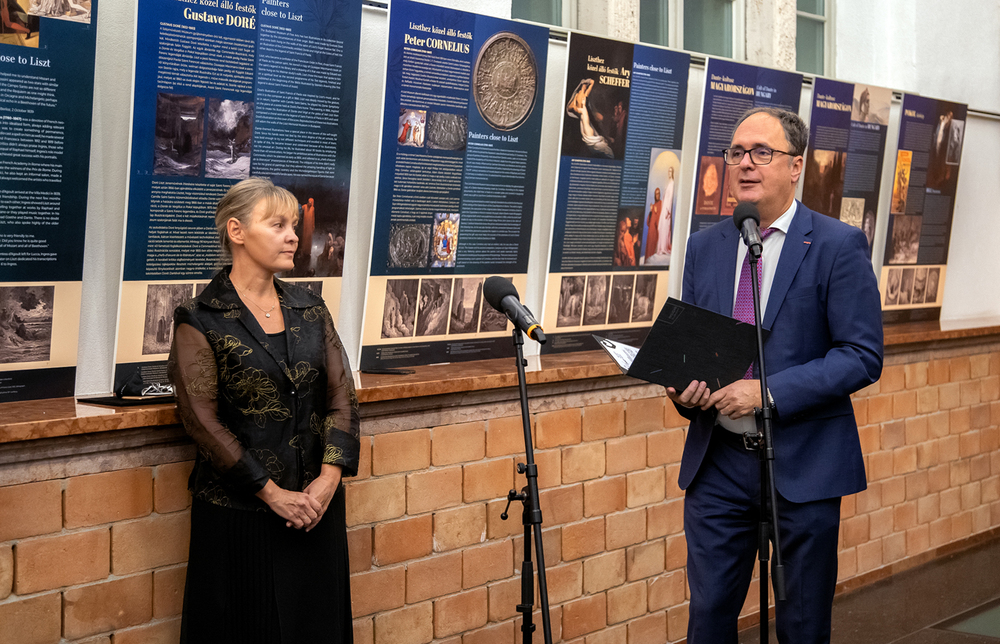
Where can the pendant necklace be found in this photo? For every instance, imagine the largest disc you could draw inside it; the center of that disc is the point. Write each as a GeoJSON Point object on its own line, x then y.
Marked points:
{"type": "Point", "coordinates": [266, 313]}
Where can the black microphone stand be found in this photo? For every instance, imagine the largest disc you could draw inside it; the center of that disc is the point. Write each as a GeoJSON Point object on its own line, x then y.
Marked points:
{"type": "Point", "coordinates": [768, 519]}
{"type": "Point", "coordinates": [531, 516]}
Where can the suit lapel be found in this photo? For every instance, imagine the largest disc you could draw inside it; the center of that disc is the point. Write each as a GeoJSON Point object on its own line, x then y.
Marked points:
{"type": "Point", "coordinates": [797, 243]}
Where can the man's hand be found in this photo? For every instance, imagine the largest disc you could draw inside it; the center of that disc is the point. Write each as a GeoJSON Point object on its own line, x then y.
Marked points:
{"type": "Point", "coordinates": [697, 394]}
{"type": "Point", "coordinates": [736, 400]}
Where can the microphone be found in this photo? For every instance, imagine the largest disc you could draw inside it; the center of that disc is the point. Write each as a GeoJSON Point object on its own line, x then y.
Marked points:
{"type": "Point", "coordinates": [747, 219]}
{"type": "Point", "coordinates": [501, 295]}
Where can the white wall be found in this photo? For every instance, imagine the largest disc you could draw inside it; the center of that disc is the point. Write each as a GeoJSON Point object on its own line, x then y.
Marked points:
{"type": "Point", "coordinates": [943, 49]}
{"type": "Point", "coordinates": [946, 50]}
{"type": "Point", "coordinates": [972, 288]}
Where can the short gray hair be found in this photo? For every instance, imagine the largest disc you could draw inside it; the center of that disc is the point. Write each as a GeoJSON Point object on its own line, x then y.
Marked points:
{"type": "Point", "coordinates": [796, 131]}
{"type": "Point", "coordinates": [240, 201]}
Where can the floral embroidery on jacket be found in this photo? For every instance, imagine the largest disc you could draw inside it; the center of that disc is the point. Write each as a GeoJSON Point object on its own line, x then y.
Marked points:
{"type": "Point", "coordinates": [262, 408]}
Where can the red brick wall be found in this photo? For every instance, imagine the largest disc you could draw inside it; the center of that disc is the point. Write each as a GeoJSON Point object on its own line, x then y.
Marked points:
{"type": "Point", "coordinates": [100, 557]}
{"type": "Point", "coordinates": [440, 563]}
{"type": "Point", "coordinates": [95, 555]}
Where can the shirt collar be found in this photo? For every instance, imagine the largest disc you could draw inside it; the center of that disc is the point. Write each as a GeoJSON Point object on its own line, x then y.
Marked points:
{"type": "Point", "coordinates": [783, 222]}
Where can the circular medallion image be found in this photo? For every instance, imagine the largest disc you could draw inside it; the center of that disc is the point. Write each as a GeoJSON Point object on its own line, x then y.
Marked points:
{"type": "Point", "coordinates": [409, 245]}
{"type": "Point", "coordinates": [505, 81]}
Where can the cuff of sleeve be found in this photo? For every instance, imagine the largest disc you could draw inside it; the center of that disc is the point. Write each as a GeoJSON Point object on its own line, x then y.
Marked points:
{"type": "Point", "coordinates": [344, 450]}
{"type": "Point", "coordinates": [248, 475]}
{"type": "Point", "coordinates": [687, 412]}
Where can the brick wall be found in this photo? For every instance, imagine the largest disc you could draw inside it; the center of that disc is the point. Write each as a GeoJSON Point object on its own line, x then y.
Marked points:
{"type": "Point", "coordinates": [929, 430]}
{"type": "Point", "coordinates": [99, 557]}
{"type": "Point", "coordinates": [95, 558]}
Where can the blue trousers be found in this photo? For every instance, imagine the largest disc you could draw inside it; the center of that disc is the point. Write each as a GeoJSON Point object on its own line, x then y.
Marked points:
{"type": "Point", "coordinates": [722, 509]}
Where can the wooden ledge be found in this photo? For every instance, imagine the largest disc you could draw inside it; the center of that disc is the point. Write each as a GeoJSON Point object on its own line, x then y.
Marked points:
{"type": "Point", "coordinates": [35, 419]}
{"type": "Point", "coordinates": [897, 335]}
{"type": "Point", "coordinates": [481, 375]}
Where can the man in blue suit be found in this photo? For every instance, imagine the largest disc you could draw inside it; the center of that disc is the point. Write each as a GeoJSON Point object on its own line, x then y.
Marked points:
{"type": "Point", "coordinates": [820, 300]}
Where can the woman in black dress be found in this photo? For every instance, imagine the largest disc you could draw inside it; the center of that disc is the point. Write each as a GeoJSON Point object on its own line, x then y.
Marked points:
{"type": "Point", "coordinates": [264, 388]}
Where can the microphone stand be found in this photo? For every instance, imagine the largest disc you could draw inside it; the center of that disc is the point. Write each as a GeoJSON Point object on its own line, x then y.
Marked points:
{"type": "Point", "coordinates": [768, 520]}
{"type": "Point", "coordinates": [531, 516]}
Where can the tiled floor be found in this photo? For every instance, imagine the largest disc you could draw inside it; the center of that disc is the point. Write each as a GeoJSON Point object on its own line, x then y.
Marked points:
{"type": "Point", "coordinates": [905, 608]}
{"type": "Point", "coordinates": [982, 620]}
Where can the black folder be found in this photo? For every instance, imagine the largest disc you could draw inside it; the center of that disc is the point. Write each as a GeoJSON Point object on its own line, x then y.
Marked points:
{"type": "Point", "coordinates": [688, 343]}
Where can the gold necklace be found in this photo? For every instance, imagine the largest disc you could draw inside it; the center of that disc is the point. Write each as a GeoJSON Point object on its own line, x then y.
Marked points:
{"type": "Point", "coordinates": [267, 313]}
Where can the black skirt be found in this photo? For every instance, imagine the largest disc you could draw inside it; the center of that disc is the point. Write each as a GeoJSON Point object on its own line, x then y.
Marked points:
{"type": "Point", "coordinates": [251, 579]}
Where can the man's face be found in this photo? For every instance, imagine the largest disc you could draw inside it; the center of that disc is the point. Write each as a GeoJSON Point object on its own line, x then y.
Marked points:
{"type": "Point", "coordinates": [656, 194]}
{"type": "Point", "coordinates": [771, 187]}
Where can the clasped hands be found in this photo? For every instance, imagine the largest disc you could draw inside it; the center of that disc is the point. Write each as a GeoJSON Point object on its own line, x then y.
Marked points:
{"type": "Point", "coordinates": [735, 400]}
{"type": "Point", "coordinates": [303, 509]}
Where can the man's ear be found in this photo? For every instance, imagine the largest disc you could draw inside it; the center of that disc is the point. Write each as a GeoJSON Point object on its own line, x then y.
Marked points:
{"type": "Point", "coordinates": [235, 231]}
{"type": "Point", "coordinates": [797, 164]}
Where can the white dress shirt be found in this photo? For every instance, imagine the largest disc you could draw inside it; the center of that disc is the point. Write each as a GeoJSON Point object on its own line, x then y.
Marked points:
{"type": "Point", "coordinates": [769, 258]}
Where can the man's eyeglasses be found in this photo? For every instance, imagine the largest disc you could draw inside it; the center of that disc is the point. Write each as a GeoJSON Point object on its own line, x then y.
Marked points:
{"type": "Point", "coordinates": [759, 155]}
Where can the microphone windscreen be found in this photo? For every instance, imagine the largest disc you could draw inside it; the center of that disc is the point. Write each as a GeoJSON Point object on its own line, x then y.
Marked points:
{"type": "Point", "coordinates": [745, 210]}
{"type": "Point", "coordinates": [496, 288]}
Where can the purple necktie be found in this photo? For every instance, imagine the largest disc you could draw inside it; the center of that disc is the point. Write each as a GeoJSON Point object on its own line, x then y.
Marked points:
{"type": "Point", "coordinates": [743, 309]}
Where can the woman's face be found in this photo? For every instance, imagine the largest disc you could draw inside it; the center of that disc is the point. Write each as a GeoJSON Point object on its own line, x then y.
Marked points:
{"type": "Point", "coordinates": [269, 241]}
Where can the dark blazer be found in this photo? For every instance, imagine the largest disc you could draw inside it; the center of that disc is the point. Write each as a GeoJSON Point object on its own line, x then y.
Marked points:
{"type": "Point", "coordinates": [826, 343]}
{"type": "Point", "coordinates": [259, 411]}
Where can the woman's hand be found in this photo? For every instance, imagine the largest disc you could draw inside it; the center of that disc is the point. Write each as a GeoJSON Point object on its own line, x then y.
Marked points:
{"type": "Point", "coordinates": [323, 488]}
{"type": "Point", "coordinates": [299, 509]}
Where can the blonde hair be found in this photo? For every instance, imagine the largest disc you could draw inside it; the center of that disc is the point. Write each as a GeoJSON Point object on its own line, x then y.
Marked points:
{"type": "Point", "coordinates": [240, 201]}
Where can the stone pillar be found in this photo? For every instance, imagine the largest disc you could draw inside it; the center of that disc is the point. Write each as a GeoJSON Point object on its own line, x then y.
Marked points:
{"type": "Point", "coordinates": [770, 33]}
{"type": "Point", "coordinates": [623, 19]}
{"type": "Point", "coordinates": [612, 18]}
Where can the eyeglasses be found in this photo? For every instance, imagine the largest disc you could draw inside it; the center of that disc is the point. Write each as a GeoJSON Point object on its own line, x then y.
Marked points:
{"type": "Point", "coordinates": [759, 155]}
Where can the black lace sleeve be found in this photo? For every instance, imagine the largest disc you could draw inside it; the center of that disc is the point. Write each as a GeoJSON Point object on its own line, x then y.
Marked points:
{"type": "Point", "coordinates": [193, 373]}
{"type": "Point", "coordinates": [342, 424]}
